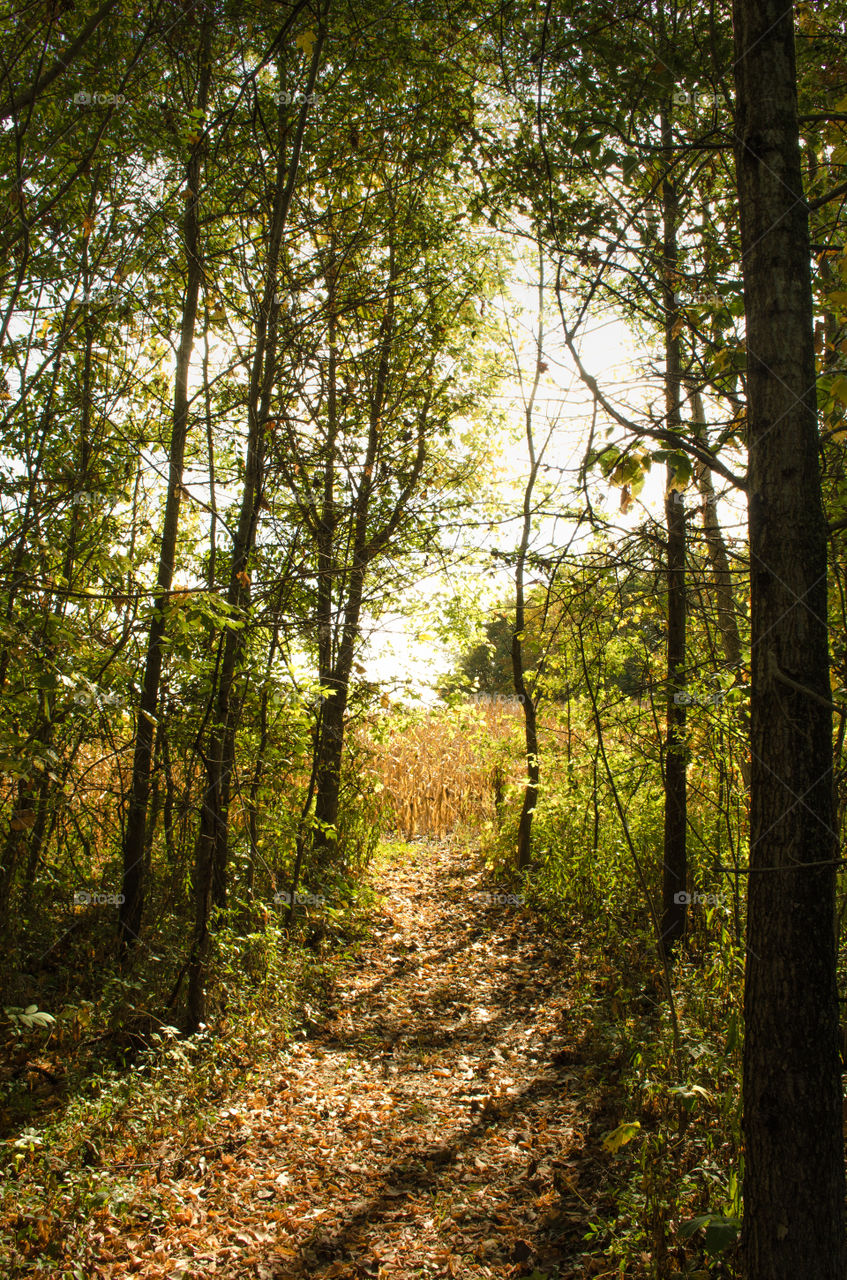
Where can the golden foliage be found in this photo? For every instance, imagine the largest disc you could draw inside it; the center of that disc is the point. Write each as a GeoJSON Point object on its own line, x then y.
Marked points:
{"type": "Point", "coordinates": [448, 766]}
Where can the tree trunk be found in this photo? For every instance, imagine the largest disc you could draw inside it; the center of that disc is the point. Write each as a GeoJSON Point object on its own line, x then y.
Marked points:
{"type": "Point", "coordinates": [526, 696]}
{"type": "Point", "coordinates": [330, 742]}
{"type": "Point", "coordinates": [212, 848]}
{"type": "Point", "coordinates": [794, 1163]}
{"type": "Point", "coordinates": [134, 850]}
{"type": "Point", "coordinates": [328, 785]}
{"type": "Point", "coordinates": [675, 865]}
{"type": "Point", "coordinates": [725, 607]}
{"type": "Point", "coordinates": [533, 777]}
{"type": "Point", "coordinates": [335, 665]}
{"type": "Point", "coordinates": [527, 701]}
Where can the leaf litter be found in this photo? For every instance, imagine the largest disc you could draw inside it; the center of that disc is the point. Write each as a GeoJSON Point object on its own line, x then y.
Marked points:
{"type": "Point", "coordinates": [441, 1119]}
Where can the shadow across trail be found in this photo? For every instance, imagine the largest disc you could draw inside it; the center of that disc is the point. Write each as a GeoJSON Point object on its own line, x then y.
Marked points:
{"type": "Point", "coordinates": [452, 1109]}
{"type": "Point", "coordinates": [443, 1116]}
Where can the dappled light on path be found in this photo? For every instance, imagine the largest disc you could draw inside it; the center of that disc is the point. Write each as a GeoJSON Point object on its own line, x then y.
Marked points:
{"type": "Point", "coordinates": [439, 1119]}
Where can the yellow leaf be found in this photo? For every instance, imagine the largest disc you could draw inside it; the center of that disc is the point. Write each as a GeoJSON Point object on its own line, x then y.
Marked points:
{"type": "Point", "coordinates": [306, 42]}
{"type": "Point", "coordinates": [622, 1135]}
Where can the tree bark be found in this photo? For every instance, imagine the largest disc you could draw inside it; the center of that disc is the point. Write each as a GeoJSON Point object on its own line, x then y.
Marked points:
{"type": "Point", "coordinates": [134, 853]}
{"type": "Point", "coordinates": [794, 1164]}
{"type": "Point", "coordinates": [724, 596]}
{"type": "Point", "coordinates": [336, 662]}
{"type": "Point", "coordinates": [675, 862]}
{"type": "Point", "coordinates": [522, 691]}
{"type": "Point", "coordinates": [212, 847]}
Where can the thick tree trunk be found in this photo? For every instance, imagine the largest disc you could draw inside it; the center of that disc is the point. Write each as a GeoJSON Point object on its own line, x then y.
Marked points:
{"type": "Point", "coordinates": [794, 1163]}
{"type": "Point", "coordinates": [329, 735]}
{"type": "Point", "coordinates": [330, 743]}
{"type": "Point", "coordinates": [328, 785]}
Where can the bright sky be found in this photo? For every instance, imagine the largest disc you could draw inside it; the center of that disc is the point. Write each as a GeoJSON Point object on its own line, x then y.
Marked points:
{"type": "Point", "coordinates": [403, 651]}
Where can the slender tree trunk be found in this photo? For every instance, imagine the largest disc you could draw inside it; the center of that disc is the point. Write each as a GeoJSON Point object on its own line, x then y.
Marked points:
{"type": "Point", "coordinates": [527, 701]}
{"type": "Point", "coordinates": [675, 867]}
{"type": "Point", "coordinates": [260, 763]}
{"type": "Point", "coordinates": [15, 844]}
{"type": "Point", "coordinates": [533, 774]}
{"type": "Point", "coordinates": [134, 852]}
{"type": "Point", "coordinates": [212, 847]}
{"type": "Point", "coordinates": [335, 682]}
{"type": "Point", "coordinates": [325, 781]}
{"type": "Point", "coordinates": [330, 744]}
{"type": "Point", "coordinates": [794, 1222]}
{"type": "Point", "coordinates": [725, 606]}
{"type": "Point", "coordinates": [522, 691]}
{"type": "Point", "coordinates": [29, 821]}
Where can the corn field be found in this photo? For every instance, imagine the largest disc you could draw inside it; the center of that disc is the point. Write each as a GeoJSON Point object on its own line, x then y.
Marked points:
{"type": "Point", "coordinates": [449, 767]}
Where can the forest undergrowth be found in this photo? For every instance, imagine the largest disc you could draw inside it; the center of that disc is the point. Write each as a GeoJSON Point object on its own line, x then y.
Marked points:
{"type": "Point", "coordinates": [453, 1082]}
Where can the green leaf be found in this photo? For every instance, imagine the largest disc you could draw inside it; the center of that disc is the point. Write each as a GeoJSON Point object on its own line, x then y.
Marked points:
{"type": "Point", "coordinates": [41, 1019]}
{"type": "Point", "coordinates": [585, 142]}
{"type": "Point", "coordinates": [606, 459]}
{"type": "Point", "coordinates": [733, 1038]}
{"type": "Point", "coordinates": [721, 1232]}
{"type": "Point", "coordinates": [628, 470]}
{"type": "Point", "coordinates": [680, 464]}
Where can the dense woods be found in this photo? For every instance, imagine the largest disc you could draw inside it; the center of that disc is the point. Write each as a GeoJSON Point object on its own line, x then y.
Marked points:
{"type": "Point", "coordinates": [422, 456]}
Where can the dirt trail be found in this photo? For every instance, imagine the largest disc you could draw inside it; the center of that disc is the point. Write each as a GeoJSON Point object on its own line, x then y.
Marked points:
{"type": "Point", "coordinates": [441, 1122]}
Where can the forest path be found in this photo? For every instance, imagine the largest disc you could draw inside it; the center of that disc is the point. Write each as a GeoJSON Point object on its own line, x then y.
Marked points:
{"type": "Point", "coordinates": [443, 1120]}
